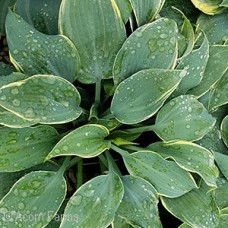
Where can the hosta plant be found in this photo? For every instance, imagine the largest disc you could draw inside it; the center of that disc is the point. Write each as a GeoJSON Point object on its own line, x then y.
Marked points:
{"type": "Point", "coordinates": [113, 113]}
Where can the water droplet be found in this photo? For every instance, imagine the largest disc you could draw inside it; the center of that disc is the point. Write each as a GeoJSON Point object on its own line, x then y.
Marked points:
{"type": "Point", "coordinates": [16, 102]}
{"type": "Point", "coordinates": [76, 200]}
{"type": "Point", "coordinates": [29, 113]}
{"type": "Point", "coordinates": [15, 52]}
{"type": "Point", "coordinates": [16, 192]}
{"type": "Point", "coordinates": [24, 194]}
{"type": "Point", "coordinates": [188, 126]}
{"type": "Point", "coordinates": [3, 98]}
{"type": "Point", "coordinates": [78, 144]}
{"type": "Point", "coordinates": [14, 91]}
{"type": "Point", "coordinates": [21, 206]}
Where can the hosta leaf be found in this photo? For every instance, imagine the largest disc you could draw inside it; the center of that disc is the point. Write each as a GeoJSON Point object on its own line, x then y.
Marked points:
{"type": "Point", "coordinates": [145, 48]}
{"type": "Point", "coordinates": [215, 28]}
{"type": "Point", "coordinates": [86, 142]}
{"type": "Point", "coordinates": [37, 193]}
{"type": "Point", "coordinates": [4, 9]}
{"type": "Point", "coordinates": [139, 205]}
{"type": "Point", "coordinates": [183, 118]}
{"type": "Point", "coordinates": [208, 6]}
{"type": "Point", "coordinates": [184, 225]}
{"type": "Point", "coordinates": [87, 24]}
{"type": "Point", "coordinates": [224, 3]}
{"type": "Point", "coordinates": [5, 69]}
{"type": "Point", "coordinates": [195, 208]}
{"type": "Point", "coordinates": [95, 202]}
{"type": "Point", "coordinates": [42, 14]}
{"type": "Point", "coordinates": [120, 222]}
{"type": "Point", "coordinates": [222, 161]}
{"type": "Point", "coordinates": [219, 93]}
{"type": "Point", "coordinates": [42, 99]}
{"type": "Point", "coordinates": [36, 53]}
{"type": "Point", "coordinates": [9, 179]}
{"type": "Point", "coordinates": [146, 11]}
{"type": "Point", "coordinates": [220, 194]}
{"type": "Point", "coordinates": [140, 96]}
{"type": "Point", "coordinates": [190, 157]}
{"type": "Point", "coordinates": [166, 176]}
{"type": "Point", "coordinates": [23, 148]}
{"type": "Point", "coordinates": [223, 221]}
{"type": "Point", "coordinates": [215, 69]}
{"type": "Point", "coordinates": [195, 64]}
{"type": "Point", "coordinates": [224, 130]}
{"type": "Point", "coordinates": [125, 9]}
{"type": "Point", "coordinates": [13, 77]}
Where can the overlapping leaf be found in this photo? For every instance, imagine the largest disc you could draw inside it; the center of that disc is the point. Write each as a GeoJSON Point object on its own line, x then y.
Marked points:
{"type": "Point", "coordinates": [189, 156]}
{"type": "Point", "coordinates": [125, 9]}
{"type": "Point", "coordinates": [146, 11]}
{"type": "Point", "coordinates": [42, 14]}
{"type": "Point", "coordinates": [87, 24]}
{"type": "Point", "coordinates": [145, 48]}
{"type": "Point", "coordinates": [166, 176]}
{"type": "Point", "coordinates": [36, 53]}
{"type": "Point", "coordinates": [94, 203]}
{"type": "Point", "coordinates": [37, 193]}
{"type": "Point", "coordinates": [219, 93]}
{"type": "Point", "coordinates": [139, 205]}
{"type": "Point", "coordinates": [183, 118]}
{"type": "Point", "coordinates": [23, 148]}
{"type": "Point", "coordinates": [140, 96]}
{"type": "Point", "coordinates": [195, 64]}
{"type": "Point", "coordinates": [215, 69]}
{"type": "Point", "coordinates": [42, 99]}
{"type": "Point", "coordinates": [222, 161]}
{"type": "Point", "coordinates": [224, 130]}
{"type": "Point", "coordinates": [86, 141]}
{"type": "Point", "coordinates": [195, 208]}
{"type": "Point", "coordinates": [5, 69]}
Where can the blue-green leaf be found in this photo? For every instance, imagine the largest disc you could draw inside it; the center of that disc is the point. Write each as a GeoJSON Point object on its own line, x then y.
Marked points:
{"type": "Point", "coordinates": [91, 26]}
{"type": "Point", "coordinates": [94, 203]}
{"type": "Point", "coordinates": [224, 130]}
{"type": "Point", "coordinates": [36, 53]}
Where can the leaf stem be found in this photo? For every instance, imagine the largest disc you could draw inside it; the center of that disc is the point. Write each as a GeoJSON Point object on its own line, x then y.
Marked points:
{"type": "Point", "coordinates": [122, 152]}
{"type": "Point", "coordinates": [98, 92]}
{"type": "Point", "coordinates": [112, 164]}
{"type": "Point", "coordinates": [64, 165]}
{"type": "Point", "coordinates": [79, 173]}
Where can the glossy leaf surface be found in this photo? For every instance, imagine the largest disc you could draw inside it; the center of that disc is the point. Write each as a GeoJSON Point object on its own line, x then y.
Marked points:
{"type": "Point", "coordinates": [86, 142]}
{"type": "Point", "coordinates": [95, 202]}
{"type": "Point", "coordinates": [23, 148]}
{"type": "Point", "coordinates": [183, 118]}
{"type": "Point", "coordinates": [42, 99]}
{"type": "Point", "coordinates": [140, 96]}
{"type": "Point", "coordinates": [36, 53]}
{"type": "Point", "coordinates": [125, 9]}
{"type": "Point", "coordinates": [167, 177]}
{"type": "Point", "coordinates": [145, 48]}
{"type": "Point", "coordinates": [189, 156]}
{"type": "Point", "coordinates": [37, 193]}
{"type": "Point", "coordinates": [224, 130]}
{"type": "Point", "coordinates": [222, 161]}
{"type": "Point", "coordinates": [87, 24]}
{"type": "Point", "coordinates": [139, 205]}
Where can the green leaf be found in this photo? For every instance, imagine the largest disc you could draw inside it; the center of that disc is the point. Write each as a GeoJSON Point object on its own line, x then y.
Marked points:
{"type": "Point", "coordinates": [166, 176]}
{"type": "Point", "coordinates": [215, 28]}
{"type": "Point", "coordinates": [37, 193]}
{"type": "Point", "coordinates": [215, 69]}
{"type": "Point", "coordinates": [220, 194]}
{"type": "Point", "coordinates": [183, 118]}
{"type": "Point", "coordinates": [184, 225]}
{"type": "Point", "coordinates": [222, 161]}
{"type": "Point", "coordinates": [224, 3]}
{"type": "Point", "coordinates": [5, 69]}
{"type": "Point", "coordinates": [120, 222]}
{"type": "Point", "coordinates": [146, 11]}
{"type": "Point", "coordinates": [190, 157]}
{"type": "Point", "coordinates": [195, 64]}
{"type": "Point", "coordinates": [91, 25]}
{"type": "Point", "coordinates": [43, 99]}
{"type": "Point", "coordinates": [125, 9]}
{"type": "Point", "coordinates": [223, 221]}
{"type": "Point", "coordinates": [145, 48]}
{"type": "Point", "coordinates": [224, 130]}
{"type": "Point", "coordinates": [13, 77]}
{"type": "Point", "coordinates": [9, 179]}
{"type": "Point", "coordinates": [23, 148]}
{"type": "Point", "coordinates": [86, 141]}
{"type": "Point", "coordinates": [42, 14]}
{"type": "Point", "coordinates": [210, 7]}
{"type": "Point", "coordinates": [36, 53]}
{"type": "Point", "coordinates": [196, 208]}
{"type": "Point", "coordinates": [219, 93]}
{"type": "Point", "coordinates": [140, 96]}
{"type": "Point", "coordinates": [4, 9]}
{"type": "Point", "coordinates": [95, 202]}
{"type": "Point", "coordinates": [139, 205]}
